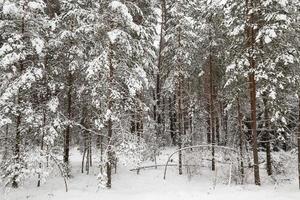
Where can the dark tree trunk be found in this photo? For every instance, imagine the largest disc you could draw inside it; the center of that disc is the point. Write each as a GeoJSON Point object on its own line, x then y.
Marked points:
{"type": "Point", "coordinates": [158, 107]}
{"type": "Point", "coordinates": [250, 44]}
{"type": "Point", "coordinates": [15, 184]}
{"type": "Point", "coordinates": [253, 127]}
{"type": "Point", "coordinates": [226, 128]}
{"type": "Point", "coordinates": [267, 137]}
{"type": "Point", "coordinates": [211, 109]}
{"type": "Point", "coordinates": [5, 154]}
{"type": "Point", "coordinates": [140, 125]}
{"type": "Point", "coordinates": [84, 136]}
{"type": "Point", "coordinates": [172, 117]}
{"type": "Point", "coordinates": [90, 147]}
{"type": "Point", "coordinates": [101, 154]}
{"type": "Point", "coordinates": [298, 140]}
{"type": "Point", "coordinates": [241, 138]}
{"type": "Point", "coordinates": [83, 158]}
{"type": "Point", "coordinates": [18, 116]}
{"type": "Point", "coordinates": [109, 123]}
{"type": "Point", "coordinates": [109, 154]}
{"type": "Point", "coordinates": [208, 131]}
{"type": "Point", "coordinates": [87, 162]}
{"type": "Point", "coordinates": [217, 129]}
{"type": "Point", "coordinates": [180, 124]}
{"type": "Point", "coordinates": [67, 136]}
{"type": "Point", "coordinates": [133, 123]}
{"type": "Point", "coordinates": [42, 148]}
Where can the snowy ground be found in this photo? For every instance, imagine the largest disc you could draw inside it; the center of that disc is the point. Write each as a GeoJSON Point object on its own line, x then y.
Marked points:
{"type": "Point", "coordinates": [148, 185]}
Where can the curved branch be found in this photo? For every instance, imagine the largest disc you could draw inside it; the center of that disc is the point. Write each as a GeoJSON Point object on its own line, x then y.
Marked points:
{"type": "Point", "coordinates": [61, 171]}
{"type": "Point", "coordinates": [191, 147]}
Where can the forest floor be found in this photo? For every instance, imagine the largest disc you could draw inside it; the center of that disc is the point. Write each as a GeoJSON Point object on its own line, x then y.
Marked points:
{"type": "Point", "coordinates": [148, 185]}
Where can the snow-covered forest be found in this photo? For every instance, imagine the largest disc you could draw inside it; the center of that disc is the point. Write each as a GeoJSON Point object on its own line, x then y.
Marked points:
{"type": "Point", "coordinates": [155, 99]}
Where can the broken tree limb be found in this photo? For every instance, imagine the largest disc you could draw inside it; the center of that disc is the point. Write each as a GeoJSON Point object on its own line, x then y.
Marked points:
{"type": "Point", "coordinates": [155, 166]}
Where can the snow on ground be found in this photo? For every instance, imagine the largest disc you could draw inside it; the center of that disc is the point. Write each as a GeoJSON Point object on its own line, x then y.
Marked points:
{"type": "Point", "coordinates": [148, 185]}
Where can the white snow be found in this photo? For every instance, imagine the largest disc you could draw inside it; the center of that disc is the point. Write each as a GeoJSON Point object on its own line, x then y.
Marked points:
{"type": "Point", "coordinates": [148, 185]}
{"type": "Point", "coordinates": [38, 44]}
{"type": "Point", "coordinates": [53, 104]}
{"type": "Point", "coordinates": [272, 94]}
{"type": "Point", "coordinates": [267, 39]}
{"type": "Point", "coordinates": [281, 17]}
{"type": "Point", "coordinates": [114, 34]}
{"type": "Point", "coordinates": [122, 10]}
{"type": "Point", "coordinates": [10, 8]}
{"type": "Point", "coordinates": [269, 35]}
{"type": "Point", "coordinates": [36, 5]}
{"type": "Point", "coordinates": [283, 3]}
{"type": "Point", "coordinates": [4, 120]}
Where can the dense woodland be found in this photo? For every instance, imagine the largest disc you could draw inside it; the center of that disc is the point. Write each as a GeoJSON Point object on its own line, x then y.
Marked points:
{"type": "Point", "coordinates": [127, 78]}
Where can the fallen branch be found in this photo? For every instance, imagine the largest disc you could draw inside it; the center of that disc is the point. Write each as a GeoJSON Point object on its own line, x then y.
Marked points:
{"type": "Point", "coordinates": [155, 166]}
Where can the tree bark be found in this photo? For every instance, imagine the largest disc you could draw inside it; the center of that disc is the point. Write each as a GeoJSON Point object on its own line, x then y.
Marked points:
{"type": "Point", "coordinates": [267, 136]}
{"type": "Point", "coordinates": [5, 154]}
{"type": "Point", "coordinates": [172, 117]}
{"type": "Point", "coordinates": [217, 129]}
{"type": "Point", "coordinates": [212, 110]}
{"type": "Point", "coordinates": [241, 138]}
{"type": "Point", "coordinates": [42, 148]}
{"type": "Point", "coordinates": [90, 146]}
{"type": "Point", "coordinates": [298, 140]}
{"type": "Point", "coordinates": [250, 44]}
{"type": "Point", "coordinates": [67, 136]}
{"type": "Point", "coordinates": [18, 116]}
{"type": "Point", "coordinates": [180, 125]}
{"type": "Point", "coordinates": [83, 158]}
{"type": "Point", "coordinates": [87, 162]}
{"type": "Point", "coordinates": [109, 122]}
{"type": "Point", "coordinates": [253, 127]}
{"type": "Point", "coordinates": [208, 130]}
{"type": "Point", "coordinates": [158, 109]}
{"type": "Point", "coordinates": [15, 184]}
{"type": "Point", "coordinates": [226, 128]}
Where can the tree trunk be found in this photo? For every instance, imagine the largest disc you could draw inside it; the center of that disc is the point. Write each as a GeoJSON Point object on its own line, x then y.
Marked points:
{"type": "Point", "coordinates": [87, 162]}
{"type": "Point", "coordinates": [208, 131]}
{"type": "Point", "coordinates": [42, 148]}
{"type": "Point", "coordinates": [109, 154]}
{"type": "Point", "coordinates": [211, 111]}
{"type": "Point", "coordinates": [250, 44]}
{"type": "Point", "coordinates": [67, 136]}
{"type": "Point", "coordinates": [298, 140]}
{"type": "Point", "coordinates": [225, 128]}
{"type": "Point", "coordinates": [15, 184]}
{"type": "Point", "coordinates": [241, 138]}
{"type": "Point", "coordinates": [158, 109]}
{"type": "Point", "coordinates": [101, 154]}
{"type": "Point", "coordinates": [180, 115]}
{"type": "Point", "coordinates": [18, 116]}
{"type": "Point", "coordinates": [217, 129]}
{"type": "Point", "coordinates": [83, 157]}
{"type": "Point", "coordinates": [267, 136]}
{"type": "Point", "coordinates": [109, 123]}
{"type": "Point", "coordinates": [180, 125]}
{"type": "Point", "coordinates": [90, 146]}
{"type": "Point", "coordinates": [253, 127]}
{"type": "Point", "coordinates": [5, 154]}
{"type": "Point", "coordinates": [172, 117]}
